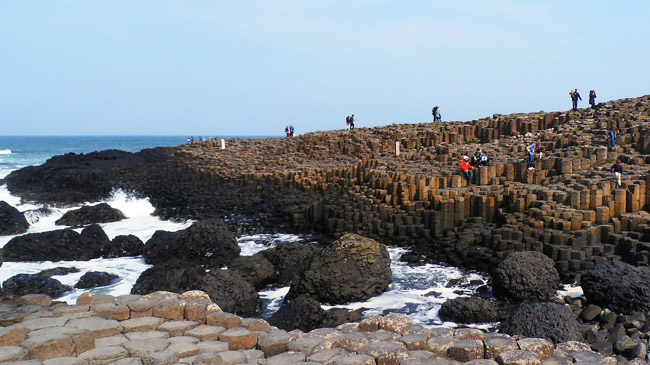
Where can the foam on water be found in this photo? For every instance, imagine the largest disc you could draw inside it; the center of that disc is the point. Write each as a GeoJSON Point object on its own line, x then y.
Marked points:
{"type": "Point", "coordinates": [5, 152]}
{"type": "Point", "coordinates": [252, 244]}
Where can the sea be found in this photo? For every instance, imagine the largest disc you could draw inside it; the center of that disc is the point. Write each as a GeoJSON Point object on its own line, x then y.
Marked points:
{"type": "Point", "coordinates": [416, 291]}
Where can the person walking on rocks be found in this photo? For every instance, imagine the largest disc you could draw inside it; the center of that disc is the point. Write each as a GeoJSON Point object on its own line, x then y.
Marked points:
{"type": "Point", "coordinates": [352, 122]}
{"type": "Point", "coordinates": [574, 98]}
{"type": "Point", "coordinates": [466, 169]}
{"type": "Point", "coordinates": [286, 130]}
{"type": "Point", "coordinates": [436, 114]}
{"type": "Point", "coordinates": [613, 126]}
{"type": "Point", "coordinates": [531, 155]}
{"type": "Point", "coordinates": [347, 122]}
{"type": "Point", "coordinates": [592, 99]}
{"type": "Point", "coordinates": [618, 172]}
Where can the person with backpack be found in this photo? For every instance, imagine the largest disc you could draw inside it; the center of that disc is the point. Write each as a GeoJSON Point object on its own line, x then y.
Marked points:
{"type": "Point", "coordinates": [613, 126]}
{"type": "Point", "coordinates": [352, 122]}
{"type": "Point", "coordinates": [574, 99]}
{"type": "Point", "coordinates": [291, 130]}
{"type": "Point", "coordinates": [618, 171]}
{"type": "Point", "coordinates": [592, 99]}
{"type": "Point", "coordinates": [436, 114]}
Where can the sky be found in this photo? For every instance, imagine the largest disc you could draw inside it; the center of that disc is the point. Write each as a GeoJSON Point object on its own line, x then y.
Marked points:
{"type": "Point", "coordinates": [250, 67]}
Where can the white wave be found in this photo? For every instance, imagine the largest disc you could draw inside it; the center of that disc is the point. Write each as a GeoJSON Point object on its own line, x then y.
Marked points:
{"type": "Point", "coordinates": [252, 244]}
{"type": "Point", "coordinates": [5, 152]}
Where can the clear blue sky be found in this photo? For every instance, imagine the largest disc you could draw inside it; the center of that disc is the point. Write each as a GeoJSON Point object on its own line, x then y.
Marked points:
{"type": "Point", "coordinates": [166, 67]}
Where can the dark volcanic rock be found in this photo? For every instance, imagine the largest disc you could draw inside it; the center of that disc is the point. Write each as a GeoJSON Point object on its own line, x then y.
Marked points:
{"type": "Point", "coordinates": [527, 276]}
{"type": "Point", "coordinates": [12, 221]}
{"type": "Point", "coordinates": [124, 245]}
{"type": "Point", "coordinates": [64, 244]}
{"type": "Point", "coordinates": [208, 242]}
{"type": "Point", "coordinates": [93, 279]}
{"type": "Point", "coordinates": [354, 268]}
{"type": "Point", "coordinates": [468, 310]}
{"type": "Point", "coordinates": [256, 270]}
{"type": "Point", "coordinates": [95, 236]}
{"type": "Point", "coordinates": [225, 287]}
{"type": "Point", "coordinates": [58, 271]}
{"type": "Point", "coordinates": [338, 316]}
{"type": "Point", "coordinates": [89, 214]}
{"type": "Point", "coordinates": [303, 313]}
{"type": "Point", "coordinates": [290, 260]}
{"type": "Point", "coordinates": [555, 322]}
{"type": "Point", "coordinates": [23, 284]}
{"type": "Point", "coordinates": [618, 286]}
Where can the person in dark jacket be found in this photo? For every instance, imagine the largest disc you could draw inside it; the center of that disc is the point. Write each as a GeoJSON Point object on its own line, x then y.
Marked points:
{"type": "Point", "coordinates": [592, 99]}
{"type": "Point", "coordinates": [436, 114]}
{"type": "Point", "coordinates": [574, 98]}
{"type": "Point", "coordinates": [613, 126]}
{"type": "Point", "coordinates": [352, 122]}
{"type": "Point", "coordinates": [618, 171]}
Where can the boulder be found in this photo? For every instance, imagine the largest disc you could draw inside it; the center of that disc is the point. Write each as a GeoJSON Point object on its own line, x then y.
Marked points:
{"type": "Point", "coordinates": [95, 236]}
{"type": "Point", "coordinates": [552, 321]}
{"type": "Point", "coordinates": [526, 276]}
{"type": "Point", "coordinates": [619, 286]}
{"type": "Point", "coordinates": [303, 313]}
{"type": "Point", "coordinates": [90, 214]}
{"type": "Point", "coordinates": [354, 268]}
{"type": "Point", "coordinates": [289, 260]}
{"type": "Point", "coordinates": [23, 284]}
{"type": "Point", "coordinates": [225, 287]}
{"type": "Point", "coordinates": [93, 279]}
{"type": "Point", "coordinates": [124, 245]}
{"type": "Point", "coordinates": [58, 271]}
{"type": "Point", "coordinates": [59, 245]}
{"type": "Point", "coordinates": [338, 316]}
{"type": "Point", "coordinates": [256, 270]}
{"type": "Point", "coordinates": [207, 242]}
{"type": "Point", "coordinates": [12, 221]}
{"type": "Point", "coordinates": [468, 310]}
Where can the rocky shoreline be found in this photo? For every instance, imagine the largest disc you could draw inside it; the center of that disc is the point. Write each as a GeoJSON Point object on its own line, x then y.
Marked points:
{"type": "Point", "coordinates": [566, 220]}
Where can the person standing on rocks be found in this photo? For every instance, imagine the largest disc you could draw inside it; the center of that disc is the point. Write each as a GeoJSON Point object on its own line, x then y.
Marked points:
{"type": "Point", "coordinates": [592, 99]}
{"type": "Point", "coordinates": [531, 155]}
{"type": "Point", "coordinates": [436, 114]}
{"type": "Point", "coordinates": [618, 172]}
{"type": "Point", "coordinates": [352, 122]}
{"type": "Point", "coordinates": [347, 122]}
{"type": "Point", "coordinates": [613, 126]}
{"type": "Point", "coordinates": [574, 99]}
{"type": "Point", "coordinates": [466, 169]}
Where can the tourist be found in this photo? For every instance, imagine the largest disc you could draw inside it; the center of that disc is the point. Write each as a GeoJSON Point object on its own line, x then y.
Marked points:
{"type": "Point", "coordinates": [347, 122]}
{"type": "Point", "coordinates": [476, 159]}
{"type": "Point", "coordinates": [531, 155]}
{"type": "Point", "coordinates": [618, 172]}
{"type": "Point", "coordinates": [286, 130]}
{"type": "Point", "coordinates": [574, 98]}
{"type": "Point", "coordinates": [592, 99]}
{"type": "Point", "coordinates": [436, 114]}
{"type": "Point", "coordinates": [291, 130]}
{"type": "Point", "coordinates": [352, 122]}
{"type": "Point", "coordinates": [613, 126]}
{"type": "Point", "coordinates": [466, 169]}
{"type": "Point", "coordinates": [188, 139]}
{"type": "Point", "coordinates": [485, 160]}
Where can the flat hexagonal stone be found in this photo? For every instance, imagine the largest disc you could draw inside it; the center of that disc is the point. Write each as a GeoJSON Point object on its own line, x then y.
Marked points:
{"type": "Point", "coordinates": [114, 311]}
{"type": "Point", "coordinates": [104, 354]}
{"type": "Point", "coordinates": [12, 353]}
{"type": "Point", "coordinates": [239, 338]}
{"type": "Point", "coordinates": [205, 332]}
{"type": "Point", "coordinates": [49, 345]}
{"type": "Point", "coordinates": [325, 355]}
{"type": "Point", "coordinates": [66, 331]}
{"type": "Point", "coordinates": [161, 358]}
{"type": "Point", "coordinates": [128, 361]}
{"type": "Point", "coordinates": [12, 335]}
{"type": "Point", "coordinates": [146, 335]}
{"type": "Point", "coordinates": [275, 343]}
{"type": "Point", "coordinates": [327, 333]}
{"type": "Point", "coordinates": [141, 324]}
{"type": "Point", "coordinates": [395, 322]}
{"type": "Point", "coordinates": [253, 356]}
{"type": "Point", "coordinates": [183, 348]}
{"type": "Point", "coordinates": [440, 345]}
{"type": "Point", "coordinates": [369, 324]}
{"type": "Point", "coordinates": [541, 346]}
{"type": "Point", "coordinates": [38, 323]}
{"type": "Point", "coordinates": [469, 334]}
{"type": "Point", "coordinates": [286, 358]}
{"type": "Point", "coordinates": [380, 349]}
{"type": "Point", "coordinates": [441, 332]}
{"type": "Point", "coordinates": [116, 340]}
{"type": "Point", "coordinates": [140, 348]}
{"type": "Point", "coordinates": [519, 357]}
{"type": "Point", "coordinates": [466, 350]}
{"type": "Point", "coordinates": [171, 309]}
{"type": "Point", "coordinates": [212, 346]}
{"type": "Point", "coordinates": [496, 345]}
{"type": "Point", "coordinates": [189, 339]}
{"type": "Point", "coordinates": [352, 359]}
{"type": "Point", "coordinates": [196, 310]}
{"type": "Point", "coordinates": [194, 295]}
{"type": "Point", "coordinates": [35, 299]}
{"type": "Point", "coordinates": [256, 324]}
{"type": "Point", "coordinates": [141, 305]}
{"type": "Point", "coordinates": [352, 342]}
{"type": "Point", "coordinates": [225, 358]}
{"type": "Point", "coordinates": [177, 328]}
{"type": "Point", "coordinates": [224, 319]}
{"type": "Point", "coordinates": [309, 345]}
{"type": "Point", "coordinates": [71, 309]}
{"type": "Point", "coordinates": [65, 361]}
{"type": "Point", "coordinates": [414, 342]}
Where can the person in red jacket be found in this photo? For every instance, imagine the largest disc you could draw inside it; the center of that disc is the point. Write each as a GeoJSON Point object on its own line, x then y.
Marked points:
{"type": "Point", "coordinates": [466, 169]}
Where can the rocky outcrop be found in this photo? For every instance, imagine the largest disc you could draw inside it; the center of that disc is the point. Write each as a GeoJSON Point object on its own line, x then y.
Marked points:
{"type": "Point", "coordinates": [64, 244]}
{"type": "Point", "coordinates": [23, 284]}
{"type": "Point", "coordinates": [289, 260]}
{"type": "Point", "coordinates": [526, 276]}
{"type": "Point", "coordinates": [93, 279]}
{"type": "Point", "coordinates": [224, 287]}
{"type": "Point", "coordinates": [618, 286]}
{"type": "Point", "coordinates": [12, 221]}
{"type": "Point", "coordinates": [256, 270]}
{"type": "Point", "coordinates": [552, 321]}
{"type": "Point", "coordinates": [303, 313]}
{"type": "Point", "coordinates": [469, 310]}
{"type": "Point", "coordinates": [58, 271]}
{"type": "Point", "coordinates": [95, 236]}
{"type": "Point", "coordinates": [123, 245]}
{"type": "Point", "coordinates": [90, 214]}
{"type": "Point", "coordinates": [354, 268]}
{"type": "Point", "coordinates": [207, 242]}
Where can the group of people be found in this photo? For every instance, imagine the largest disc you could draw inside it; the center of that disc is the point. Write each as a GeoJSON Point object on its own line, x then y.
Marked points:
{"type": "Point", "coordinates": [349, 122]}
{"type": "Point", "coordinates": [534, 148]}
{"type": "Point", "coordinates": [480, 158]}
{"type": "Point", "coordinates": [289, 130]}
{"type": "Point", "coordinates": [575, 96]}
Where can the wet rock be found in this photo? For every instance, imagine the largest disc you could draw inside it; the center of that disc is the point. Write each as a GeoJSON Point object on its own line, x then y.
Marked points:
{"type": "Point", "coordinates": [95, 236]}
{"type": "Point", "coordinates": [23, 284]}
{"type": "Point", "coordinates": [289, 260]}
{"type": "Point", "coordinates": [302, 312]}
{"type": "Point", "coordinates": [93, 279]}
{"type": "Point", "coordinates": [338, 316]}
{"type": "Point", "coordinates": [618, 286]}
{"type": "Point", "coordinates": [551, 321]}
{"type": "Point", "coordinates": [12, 221]}
{"type": "Point", "coordinates": [590, 312]}
{"type": "Point", "coordinates": [354, 268]}
{"type": "Point", "coordinates": [468, 310]}
{"type": "Point", "coordinates": [527, 276]}
{"type": "Point", "coordinates": [90, 214]}
{"type": "Point", "coordinates": [256, 270]}
{"type": "Point", "coordinates": [207, 242]}
{"type": "Point", "coordinates": [58, 271]}
{"type": "Point", "coordinates": [124, 245]}
{"type": "Point", "coordinates": [60, 245]}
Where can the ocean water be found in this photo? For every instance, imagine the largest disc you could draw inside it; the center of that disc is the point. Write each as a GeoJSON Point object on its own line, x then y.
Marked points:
{"type": "Point", "coordinates": [417, 291]}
